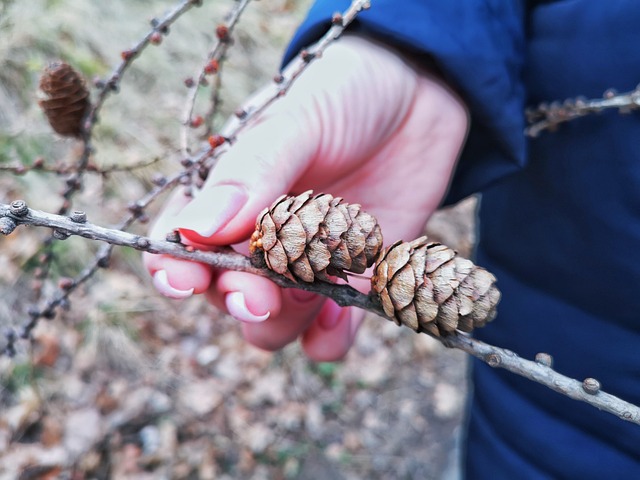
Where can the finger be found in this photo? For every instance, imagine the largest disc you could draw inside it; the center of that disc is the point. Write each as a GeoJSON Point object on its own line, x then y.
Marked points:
{"type": "Point", "coordinates": [179, 278]}
{"type": "Point", "coordinates": [263, 164]}
{"type": "Point", "coordinates": [246, 297]}
{"type": "Point", "coordinates": [298, 310]}
{"type": "Point", "coordinates": [331, 336]}
{"type": "Point", "coordinates": [172, 277]}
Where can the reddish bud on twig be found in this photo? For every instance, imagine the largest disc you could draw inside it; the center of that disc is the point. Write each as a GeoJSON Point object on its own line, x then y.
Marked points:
{"type": "Point", "coordinates": [222, 32]}
{"type": "Point", "coordinates": [127, 55]}
{"type": "Point", "coordinates": [337, 19]}
{"type": "Point", "coordinates": [212, 67]}
{"type": "Point", "coordinates": [216, 140]}
{"type": "Point", "coordinates": [196, 122]}
{"type": "Point", "coordinates": [65, 283]}
{"type": "Point", "coordinates": [189, 82]}
{"type": "Point", "coordinates": [156, 38]}
{"type": "Point", "coordinates": [38, 162]}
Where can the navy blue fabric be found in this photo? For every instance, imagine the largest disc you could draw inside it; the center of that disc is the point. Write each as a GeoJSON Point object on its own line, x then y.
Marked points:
{"type": "Point", "coordinates": [479, 48]}
{"type": "Point", "coordinates": [560, 216]}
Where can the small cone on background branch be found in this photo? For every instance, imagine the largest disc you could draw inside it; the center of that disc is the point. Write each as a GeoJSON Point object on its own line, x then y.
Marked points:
{"type": "Point", "coordinates": [427, 287]}
{"type": "Point", "coordinates": [67, 99]}
{"type": "Point", "coordinates": [309, 237]}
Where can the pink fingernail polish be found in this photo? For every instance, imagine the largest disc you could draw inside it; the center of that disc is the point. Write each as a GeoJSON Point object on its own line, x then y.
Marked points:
{"type": "Point", "coordinates": [212, 209]}
{"type": "Point", "coordinates": [238, 309]}
{"type": "Point", "coordinates": [161, 283]}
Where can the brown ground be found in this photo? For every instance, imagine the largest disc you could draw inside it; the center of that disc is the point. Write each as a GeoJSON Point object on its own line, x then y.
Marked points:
{"type": "Point", "coordinates": [130, 385]}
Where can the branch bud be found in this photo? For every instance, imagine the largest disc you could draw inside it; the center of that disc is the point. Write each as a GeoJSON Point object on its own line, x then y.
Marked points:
{"type": "Point", "coordinates": [78, 217]}
{"type": "Point", "coordinates": [19, 208]}
{"type": "Point", "coordinates": [591, 386]}
{"type": "Point", "coordinates": [544, 359]}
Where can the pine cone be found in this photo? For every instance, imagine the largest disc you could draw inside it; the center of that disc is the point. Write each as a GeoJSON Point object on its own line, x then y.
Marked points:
{"type": "Point", "coordinates": [311, 236]}
{"type": "Point", "coordinates": [426, 287]}
{"type": "Point", "coordinates": [68, 99]}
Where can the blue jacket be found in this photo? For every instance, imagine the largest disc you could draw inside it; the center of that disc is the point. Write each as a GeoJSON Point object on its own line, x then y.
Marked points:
{"type": "Point", "coordinates": [560, 216]}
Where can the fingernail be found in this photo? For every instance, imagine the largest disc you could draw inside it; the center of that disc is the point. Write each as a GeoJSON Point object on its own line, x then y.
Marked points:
{"type": "Point", "coordinates": [331, 317]}
{"type": "Point", "coordinates": [238, 308]}
{"type": "Point", "coordinates": [303, 296]}
{"type": "Point", "coordinates": [161, 282]}
{"type": "Point", "coordinates": [212, 209]}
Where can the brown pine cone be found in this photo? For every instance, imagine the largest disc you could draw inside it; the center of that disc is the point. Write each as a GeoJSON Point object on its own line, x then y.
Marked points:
{"type": "Point", "coordinates": [311, 236]}
{"type": "Point", "coordinates": [67, 99]}
{"type": "Point", "coordinates": [426, 287]}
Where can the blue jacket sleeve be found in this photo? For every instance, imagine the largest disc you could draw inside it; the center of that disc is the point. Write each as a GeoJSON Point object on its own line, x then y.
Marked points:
{"type": "Point", "coordinates": [478, 46]}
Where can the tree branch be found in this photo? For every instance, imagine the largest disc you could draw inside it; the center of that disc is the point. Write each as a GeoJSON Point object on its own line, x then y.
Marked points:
{"type": "Point", "coordinates": [548, 116]}
{"type": "Point", "coordinates": [211, 67]}
{"type": "Point", "coordinates": [588, 391]}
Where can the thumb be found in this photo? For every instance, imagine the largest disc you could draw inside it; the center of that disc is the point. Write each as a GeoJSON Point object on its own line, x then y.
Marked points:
{"type": "Point", "coordinates": [264, 163]}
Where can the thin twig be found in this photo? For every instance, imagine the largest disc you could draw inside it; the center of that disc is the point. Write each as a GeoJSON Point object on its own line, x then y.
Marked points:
{"type": "Point", "coordinates": [66, 168]}
{"type": "Point", "coordinates": [548, 116]}
{"type": "Point", "coordinates": [283, 82]}
{"type": "Point", "coordinates": [214, 102]}
{"type": "Point", "coordinates": [211, 67]}
{"type": "Point", "coordinates": [74, 181]}
{"type": "Point", "coordinates": [587, 391]}
{"type": "Point", "coordinates": [203, 161]}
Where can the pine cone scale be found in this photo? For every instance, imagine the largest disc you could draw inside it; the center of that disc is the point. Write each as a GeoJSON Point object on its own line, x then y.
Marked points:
{"type": "Point", "coordinates": [293, 238]}
{"type": "Point", "coordinates": [269, 237]}
{"type": "Point", "coordinates": [403, 288]}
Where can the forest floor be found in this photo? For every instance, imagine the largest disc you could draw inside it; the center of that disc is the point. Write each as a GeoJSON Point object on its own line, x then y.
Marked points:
{"type": "Point", "coordinates": [127, 384]}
